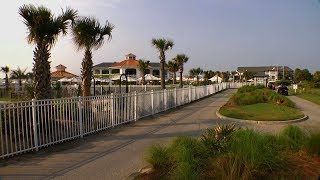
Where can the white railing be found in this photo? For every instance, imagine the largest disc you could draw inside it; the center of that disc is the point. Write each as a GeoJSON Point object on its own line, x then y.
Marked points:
{"type": "Point", "coordinates": [30, 125]}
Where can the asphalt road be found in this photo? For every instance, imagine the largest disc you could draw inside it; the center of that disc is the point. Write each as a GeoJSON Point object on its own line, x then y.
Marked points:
{"type": "Point", "coordinates": [118, 152]}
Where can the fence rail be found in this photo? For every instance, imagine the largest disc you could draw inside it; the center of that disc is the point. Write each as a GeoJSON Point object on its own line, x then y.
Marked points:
{"type": "Point", "coordinates": [30, 125]}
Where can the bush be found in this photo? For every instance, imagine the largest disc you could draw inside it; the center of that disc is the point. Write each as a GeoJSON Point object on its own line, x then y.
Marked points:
{"type": "Point", "coordinates": [278, 99]}
{"type": "Point", "coordinates": [158, 156]}
{"type": "Point", "coordinates": [189, 156]}
{"type": "Point", "coordinates": [244, 154]}
{"type": "Point", "coordinates": [249, 88]}
{"type": "Point", "coordinates": [313, 144]}
{"type": "Point", "coordinates": [215, 139]}
{"type": "Point", "coordinates": [260, 96]}
{"type": "Point", "coordinates": [292, 137]}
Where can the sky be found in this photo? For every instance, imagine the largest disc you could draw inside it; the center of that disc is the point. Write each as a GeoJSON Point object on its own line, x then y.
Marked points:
{"type": "Point", "coordinates": [215, 34]}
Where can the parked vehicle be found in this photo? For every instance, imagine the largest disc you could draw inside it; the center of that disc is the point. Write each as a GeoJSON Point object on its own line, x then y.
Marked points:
{"type": "Point", "coordinates": [283, 90]}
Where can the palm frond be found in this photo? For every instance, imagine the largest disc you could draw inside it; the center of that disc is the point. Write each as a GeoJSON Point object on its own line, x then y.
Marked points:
{"type": "Point", "coordinates": [88, 33]}
{"type": "Point", "coordinates": [143, 65]}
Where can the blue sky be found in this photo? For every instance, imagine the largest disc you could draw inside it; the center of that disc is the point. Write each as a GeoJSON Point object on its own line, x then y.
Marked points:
{"type": "Point", "coordinates": [216, 34]}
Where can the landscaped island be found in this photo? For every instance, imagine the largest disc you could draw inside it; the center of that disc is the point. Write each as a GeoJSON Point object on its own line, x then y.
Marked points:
{"type": "Point", "coordinates": [261, 104]}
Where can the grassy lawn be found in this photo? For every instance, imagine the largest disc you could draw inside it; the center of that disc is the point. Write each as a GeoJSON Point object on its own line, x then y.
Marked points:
{"type": "Point", "coordinates": [261, 112]}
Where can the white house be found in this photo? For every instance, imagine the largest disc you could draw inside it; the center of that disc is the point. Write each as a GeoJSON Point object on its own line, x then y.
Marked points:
{"type": "Point", "coordinates": [127, 66]}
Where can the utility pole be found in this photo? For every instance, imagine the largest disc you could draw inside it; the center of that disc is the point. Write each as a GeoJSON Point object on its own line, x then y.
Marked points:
{"type": "Point", "coordinates": [283, 74]}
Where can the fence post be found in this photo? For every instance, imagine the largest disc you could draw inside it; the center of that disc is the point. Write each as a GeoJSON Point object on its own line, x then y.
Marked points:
{"type": "Point", "coordinates": [35, 132]}
{"type": "Point", "coordinates": [152, 105]}
{"type": "Point", "coordinates": [165, 99]}
{"type": "Point", "coordinates": [135, 106]}
{"type": "Point", "coordinates": [80, 103]}
{"type": "Point", "coordinates": [175, 97]}
{"type": "Point", "coordinates": [190, 94]}
{"type": "Point", "coordinates": [112, 109]}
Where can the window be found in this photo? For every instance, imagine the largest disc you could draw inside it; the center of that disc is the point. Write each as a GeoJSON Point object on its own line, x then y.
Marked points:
{"type": "Point", "coordinates": [147, 71]}
{"type": "Point", "coordinates": [96, 71]}
{"type": "Point", "coordinates": [131, 71]}
{"type": "Point", "coordinates": [156, 72]}
{"type": "Point", "coordinates": [105, 71]}
{"type": "Point", "coordinates": [115, 71]}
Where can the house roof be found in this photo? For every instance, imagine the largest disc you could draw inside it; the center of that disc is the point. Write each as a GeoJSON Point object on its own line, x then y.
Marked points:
{"type": "Point", "coordinates": [60, 74]}
{"type": "Point", "coordinates": [128, 62]}
{"type": "Point", "coordinates": [154, 64]}
{"type": "Point", "coordinates": [254, 69]}
{"type": "Point", "coordinates": [104, 64]}
{"type": "Point", "coordinates": [130, 54]}
{"type": "Point", "coordinates": [60, 66]}
{"type": "Point", "coordinates": [263, 68]}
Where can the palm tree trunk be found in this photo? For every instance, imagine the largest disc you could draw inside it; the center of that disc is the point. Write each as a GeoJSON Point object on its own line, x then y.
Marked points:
{"type": "Point", "coordinates": [162, 75]}
{"type": "Point", "coordinates": [7, 83]}
{"type": "Point", "coordinates": [181, 83]}
{"type": "Point", "coordinates": [41, 69]}
{"type": "Point", "coordinates": [143, 79]}
{"type": "Point", "coordinates": [174, 77]}
{"type": "Point", "coordinates": [197, 80]}
{"type": "Point", "coordinates": [87, 73]}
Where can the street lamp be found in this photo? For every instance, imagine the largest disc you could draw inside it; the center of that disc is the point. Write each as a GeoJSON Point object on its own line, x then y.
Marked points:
{"type": "Point", "coordinates": [127, 89]}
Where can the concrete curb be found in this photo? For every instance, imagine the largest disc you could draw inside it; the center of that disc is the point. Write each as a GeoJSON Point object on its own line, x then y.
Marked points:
{"type": "Point", "coordinates": [260, 122]}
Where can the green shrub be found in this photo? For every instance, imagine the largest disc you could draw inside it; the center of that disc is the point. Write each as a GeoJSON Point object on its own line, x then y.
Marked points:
{"type": "Point", "coordinates": [189, 156]}
{"type": "Point", "coordinates": [257, 151]}
{"type": "Point", "coordinates": [278, 99]}
{"type": "Point", "coordinates": [292, 137]}
{"type": "Point", "coordinates": [216, 139]}
{"type": "Point", "coordinates": [313, 144]}
{"type": "Point", "coordinates": [159, 156]}
{"type": "Point", "coordinates": [250, 88]}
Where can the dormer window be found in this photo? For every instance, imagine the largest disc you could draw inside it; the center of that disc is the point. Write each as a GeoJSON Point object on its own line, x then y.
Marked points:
{"type": "Point", "coordinates": [130, 56]}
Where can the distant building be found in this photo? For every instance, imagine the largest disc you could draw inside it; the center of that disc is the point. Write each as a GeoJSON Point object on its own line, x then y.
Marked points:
{"type": "Point", "coordinates": [128, 66]}
{"type": "Point", "coordinates": [61, 73]}
{"type": "Point", "coordinates": [266, 73]}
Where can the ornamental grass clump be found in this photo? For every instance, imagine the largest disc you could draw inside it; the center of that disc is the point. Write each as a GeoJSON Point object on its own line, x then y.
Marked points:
{"type": "Point", "coordinates": [227, 152]}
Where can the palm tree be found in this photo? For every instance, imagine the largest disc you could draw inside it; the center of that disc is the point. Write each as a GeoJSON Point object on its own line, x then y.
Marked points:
{"type": "Point", "coordinates": [162, 45]}
{"type": "Point", "coordinates": [206, 76]}
{"type": "Point", "coordinates": [19, 74]}
{"type": "Point", "coordinates": [143, 66]}
{"type": "Point", "coordinates": [195, 72]}
{"type": "Point", "coordinates": [6, 70]}
{"type": "Point", "coordinates": [173, 67]}
{"type": "Point", "coordinates": [218, 73]}
{"type": "Point", "coordinates": [181, 59]}
{"type": "Point", "coordinates": [30, 76]}
{"type": "Point", "coordinates": [88, 34]}
{"type": "Point", "coordinates": [43, 31]}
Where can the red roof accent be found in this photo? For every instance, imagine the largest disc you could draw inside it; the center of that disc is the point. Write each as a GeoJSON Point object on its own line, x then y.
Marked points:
{"type": "Point", "coordinates": [58, 74]}
{"type": "Point", "coordinates": [129, 62]}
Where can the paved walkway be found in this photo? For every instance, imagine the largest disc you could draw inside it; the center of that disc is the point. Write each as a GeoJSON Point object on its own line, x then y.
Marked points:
{"type": "Point", "coordinates": [116, 153]}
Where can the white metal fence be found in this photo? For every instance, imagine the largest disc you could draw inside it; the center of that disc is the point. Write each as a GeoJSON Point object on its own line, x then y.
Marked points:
{"type": "Point", "coordinates": [30, 125]}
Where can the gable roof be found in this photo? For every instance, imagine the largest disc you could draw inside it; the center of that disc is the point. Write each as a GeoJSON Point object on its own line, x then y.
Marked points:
{"type": "Point", "coordinates": [104, 64]}
{"type": "Point", "coordinates": [60, 74]}
{"type": "Point", "coordinates": [129, 63]}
